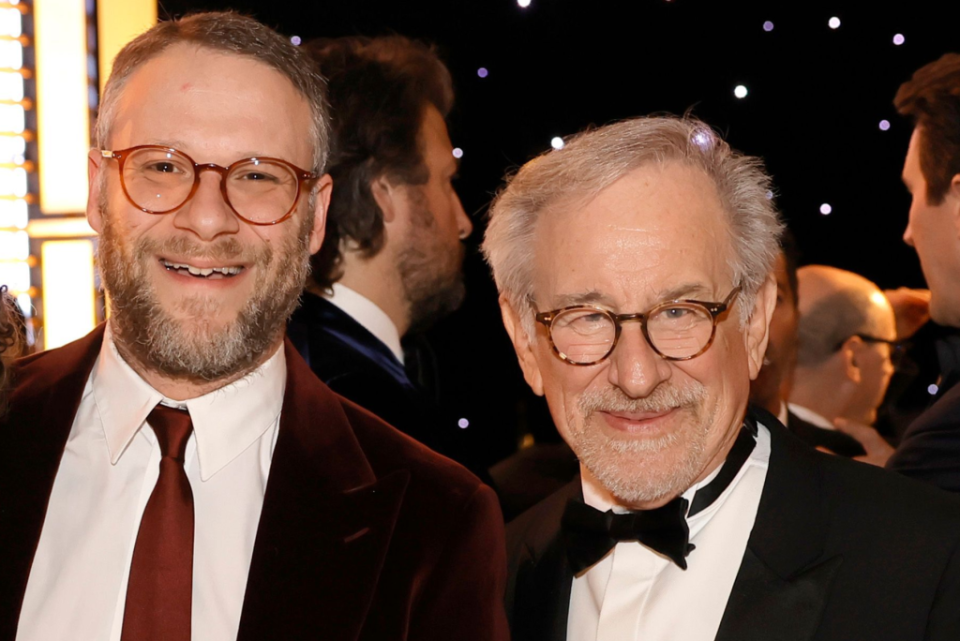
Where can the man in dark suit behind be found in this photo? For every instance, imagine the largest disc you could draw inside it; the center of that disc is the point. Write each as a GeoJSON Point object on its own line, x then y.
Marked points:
{"type": "Point", "coordinates": [635, 271]}
{"type": "Point", "coordinates": [390, 264]}
{"type": "Point", "coordinates": [930, 448]}
{"type": "Point", "coordinates": [180, 473]}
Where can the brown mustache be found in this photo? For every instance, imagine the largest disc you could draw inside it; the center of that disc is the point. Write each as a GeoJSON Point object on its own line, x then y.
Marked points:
{"type": "Point", "coordinates": [183, 247]}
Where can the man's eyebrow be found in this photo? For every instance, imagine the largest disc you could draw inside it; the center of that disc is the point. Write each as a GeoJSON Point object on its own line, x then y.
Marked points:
{"type": "Point", "coordinates": [684, 291]}
{"type": "Point", "coordinates": [592, 297]}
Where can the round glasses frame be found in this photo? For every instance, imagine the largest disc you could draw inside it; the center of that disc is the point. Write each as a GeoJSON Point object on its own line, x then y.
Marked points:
{"type": "Point", "coordinates": [121, 156]}
{"type": "Point", "coordinates": [715, 310]}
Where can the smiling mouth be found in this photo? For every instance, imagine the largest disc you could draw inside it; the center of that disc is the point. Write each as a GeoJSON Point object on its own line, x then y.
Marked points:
{"type": "Point", "coordinates": [212, 273]}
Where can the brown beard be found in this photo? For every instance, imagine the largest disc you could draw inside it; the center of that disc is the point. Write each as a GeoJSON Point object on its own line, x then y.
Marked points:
{"type": "Point", "coordinates": [430, 272]}
{"type": "Point", "coordinates": [196, 349]}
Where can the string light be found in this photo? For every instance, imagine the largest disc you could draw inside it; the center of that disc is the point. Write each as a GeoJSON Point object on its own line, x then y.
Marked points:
{"type": "Point", "coordinates": [884, 125]}
{"type": "Point", "coordinates": [296, 40]}
{"type": "Point", "coordinates": [523, 3]}
{"type": "Point", "coordinates": [482, 72]}
{"type": "Point", "coordinates": [898, 39]}
{"type": "Point", "coordinates": [740, 91]}
{"type": "Point", "coordinates": [768, 26]}
{"type": "Point", "coordinates": [826, 209]}
{"type": "Point", "coordinates": [457, 152]}
{"type": "Point", "coordinates": [834, 22]}
{"type": "Point", "coordinates": [556, 142]}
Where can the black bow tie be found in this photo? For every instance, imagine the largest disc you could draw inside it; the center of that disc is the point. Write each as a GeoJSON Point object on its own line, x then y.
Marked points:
{"type": "Point", "coordinates": [589, 534]}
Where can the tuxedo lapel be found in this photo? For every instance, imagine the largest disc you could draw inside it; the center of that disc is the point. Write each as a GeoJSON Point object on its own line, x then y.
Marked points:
{"type": "Point", "coordinates": [783, 582]}
{"type": "Point", "coordinates": [326, 522]}
{"type": "Point", "coordinates": [42, 409]}
{"type": "Point", "coordinates": [544, 578]}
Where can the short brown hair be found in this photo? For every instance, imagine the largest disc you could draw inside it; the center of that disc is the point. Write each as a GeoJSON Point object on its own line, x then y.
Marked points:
{"type": "Point", "coordinates": [931, 98]}
{"type": "Point", "coordinates": [378, 89]}
{"type": "Point", "coordinates": [229, 32]}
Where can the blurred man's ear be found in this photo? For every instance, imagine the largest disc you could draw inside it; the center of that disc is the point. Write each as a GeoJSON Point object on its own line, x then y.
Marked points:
{"type": "Point", "coordinates": [521, 343]}
{"type": "Point", "coordinates": [850, 352]}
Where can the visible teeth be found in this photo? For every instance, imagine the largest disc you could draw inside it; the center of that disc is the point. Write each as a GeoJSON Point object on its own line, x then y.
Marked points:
{"type": "Point", "coordinates": [203, 271]}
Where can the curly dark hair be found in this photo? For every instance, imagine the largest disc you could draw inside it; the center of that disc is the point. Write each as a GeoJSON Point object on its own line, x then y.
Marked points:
{"type": "Point", "coordinates": [10, 337]}
{"type": "Point", "coordinates": [377, 89]}
{"type": "Point", "coordinates": [931, 98]}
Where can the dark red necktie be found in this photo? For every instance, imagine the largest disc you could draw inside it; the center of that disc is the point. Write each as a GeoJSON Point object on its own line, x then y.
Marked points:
{"type": "Point", "coordinates": [160, 589]}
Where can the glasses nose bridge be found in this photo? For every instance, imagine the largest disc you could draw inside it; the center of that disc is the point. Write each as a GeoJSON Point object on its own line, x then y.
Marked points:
{"type": "Point", "coordinates": [199, 168]}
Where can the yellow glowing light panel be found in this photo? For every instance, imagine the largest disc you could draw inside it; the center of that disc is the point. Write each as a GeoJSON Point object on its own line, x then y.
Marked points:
{"type": "Point", "coordinates": [63, 104]}
{"type": "Point", "coordinates": [119, 22]}
{"type": "Point", "coordinates": [68, 294]}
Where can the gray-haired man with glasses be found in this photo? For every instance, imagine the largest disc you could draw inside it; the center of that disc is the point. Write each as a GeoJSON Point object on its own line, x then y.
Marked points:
{"type": "Point", "coordinates": [635, 275]}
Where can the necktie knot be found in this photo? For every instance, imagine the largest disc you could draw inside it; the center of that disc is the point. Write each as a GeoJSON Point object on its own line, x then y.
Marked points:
{"type": "Point", "coordinates": [173, 428]}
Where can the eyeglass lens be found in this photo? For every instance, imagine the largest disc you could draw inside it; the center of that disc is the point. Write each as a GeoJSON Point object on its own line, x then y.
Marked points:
{"type": "Point", "coordinates": [159, 181]}
{"type": "Point", "coordinates": [586, 335]}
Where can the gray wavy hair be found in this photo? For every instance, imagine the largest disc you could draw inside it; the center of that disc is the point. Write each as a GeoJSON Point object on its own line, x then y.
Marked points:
{"type": "Point", "coordinates": [593, 160]}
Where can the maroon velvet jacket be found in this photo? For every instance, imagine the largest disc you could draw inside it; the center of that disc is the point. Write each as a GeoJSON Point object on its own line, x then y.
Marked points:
{"type": "Point", "coordinates": [365, 534]}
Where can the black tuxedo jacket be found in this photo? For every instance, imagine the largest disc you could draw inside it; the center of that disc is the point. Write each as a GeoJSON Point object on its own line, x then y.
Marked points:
{"type": "Point", "coordinates": [840, 551]}
{"type": "Point", "coordinates": [836, 442]}
{"type": "Point", "coordinates": [364, 534]}
{"type": "Point", "coordinates": [930, 448]}
{"type": "Point", "coordinates": [357, 365]}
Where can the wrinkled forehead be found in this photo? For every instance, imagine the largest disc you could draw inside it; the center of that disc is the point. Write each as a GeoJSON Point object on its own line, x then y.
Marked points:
{"type": "Point", "coordinates": [658, 228]}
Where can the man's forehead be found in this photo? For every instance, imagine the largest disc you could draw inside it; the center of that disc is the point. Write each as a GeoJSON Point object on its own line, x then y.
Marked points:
{"type": "Point", "coordinates": [190, 92]}
{"type": "Point", "coordinates": [659, 228]}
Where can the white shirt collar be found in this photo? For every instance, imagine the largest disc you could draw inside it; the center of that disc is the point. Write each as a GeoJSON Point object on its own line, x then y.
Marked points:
{"type": "Point", "coordinates": [372, 318]}
{"type": "Point", "coordinates": [808, 415]}
{"type": "Point", "coordinates": [225, 421]}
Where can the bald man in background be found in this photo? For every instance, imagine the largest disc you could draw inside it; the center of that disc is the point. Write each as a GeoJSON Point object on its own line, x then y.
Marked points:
{"type": "Point", "coordinates": [847, 338]}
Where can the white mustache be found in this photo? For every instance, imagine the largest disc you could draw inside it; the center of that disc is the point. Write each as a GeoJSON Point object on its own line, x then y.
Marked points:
{"type": "Point", "coordinates": [662, 399]}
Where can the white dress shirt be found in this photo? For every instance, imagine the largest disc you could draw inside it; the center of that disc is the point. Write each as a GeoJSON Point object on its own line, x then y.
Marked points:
{"type": "Point", "coordinates": [78, 582]}
{"type": "Point", "coordinates": [636, 594]}
{"type": "Point", "coordinates": [808, 415]}
{"type": "Point", "coordinates": [365, 311]}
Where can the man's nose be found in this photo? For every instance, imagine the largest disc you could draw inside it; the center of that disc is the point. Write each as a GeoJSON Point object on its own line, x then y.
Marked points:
{"type": "Point", "coordinates": [634, 366]}
{"type": "Point", "coordinates": [464, 224]}
{"type": "Point", "coordinates": [207, 214]}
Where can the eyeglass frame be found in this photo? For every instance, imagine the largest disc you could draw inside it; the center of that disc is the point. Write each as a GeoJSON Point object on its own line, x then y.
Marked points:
{"type": "Point", "coordinates": [302, 175]}
{"type": "Point", "coordinates": [714, 309]}
{"type": "Point", "coordinates": [898, 349]}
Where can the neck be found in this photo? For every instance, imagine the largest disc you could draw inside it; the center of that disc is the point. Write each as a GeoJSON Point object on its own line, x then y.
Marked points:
{"type": "Point", "coordinates": [183, 388]}
{"type": "Point", "coordinates": [820, 392]}
{"type": "Point", "coordinates": [378, 280]}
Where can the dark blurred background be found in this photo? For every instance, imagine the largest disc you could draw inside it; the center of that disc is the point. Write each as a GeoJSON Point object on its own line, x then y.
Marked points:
{"type": "Point", "coordinates": [817, 98]}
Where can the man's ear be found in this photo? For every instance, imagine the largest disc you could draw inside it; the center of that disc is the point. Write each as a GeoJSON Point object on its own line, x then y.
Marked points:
{"type": "Point", "coordinates": [850, 353]}
{"type": "Point", "coordinates": [94, 215]}
{"type": "Point", "coordinates": [955, 193]}
{"type": "Point", "coordinates": [324, 188]}
{"type": "Point", "coordinates": [386, 195]}
{"type": "Point", "coordinates": [758, 329]}
{"type": "Point", "coordinates": [521, 343]}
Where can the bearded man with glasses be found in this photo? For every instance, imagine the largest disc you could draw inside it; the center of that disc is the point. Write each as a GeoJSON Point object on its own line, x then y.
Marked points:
{"type": "Point", "coordinates": [635, 269]}
{"type": "Point", "coordinates": [180, 473]}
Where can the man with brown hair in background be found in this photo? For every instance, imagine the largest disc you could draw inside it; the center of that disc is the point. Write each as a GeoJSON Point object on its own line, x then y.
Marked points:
{"type": "Point", "coordinates": [391, 261]}
{"type": "Point", "coordinates": [930, 448]}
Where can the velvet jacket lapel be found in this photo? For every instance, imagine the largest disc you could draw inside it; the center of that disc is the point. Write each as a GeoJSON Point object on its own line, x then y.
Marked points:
{"type": "Point", "coordinates": [326, 520]}
{"type": "Point", "coordinates": [35, 432]}
{"type": "Point", "coordinates": [781, 587]}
